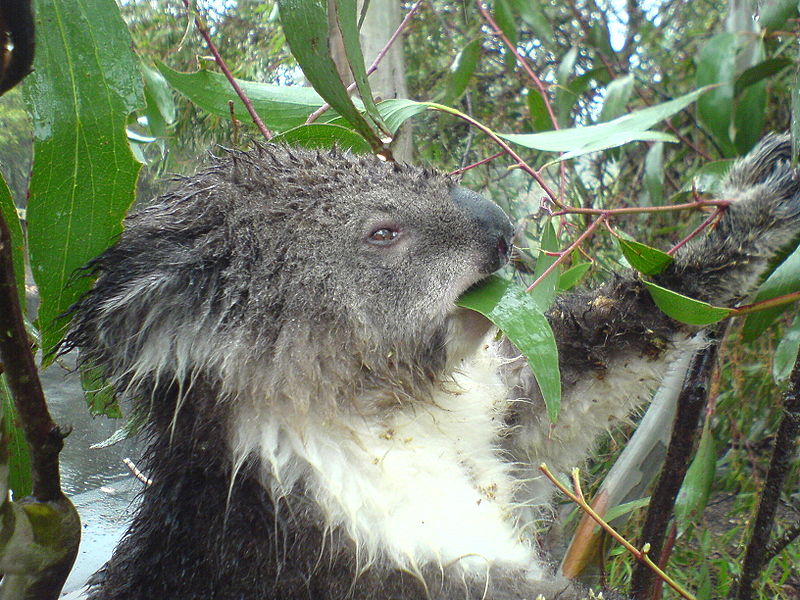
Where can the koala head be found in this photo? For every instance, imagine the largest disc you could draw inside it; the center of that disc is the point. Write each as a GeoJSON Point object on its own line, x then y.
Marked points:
{"type": "Point", "coordinates": [294, 261]}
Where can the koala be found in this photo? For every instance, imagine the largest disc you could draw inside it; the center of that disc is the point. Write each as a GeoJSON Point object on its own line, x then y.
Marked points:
{"type": "Point", "coordinates": [323, 422]}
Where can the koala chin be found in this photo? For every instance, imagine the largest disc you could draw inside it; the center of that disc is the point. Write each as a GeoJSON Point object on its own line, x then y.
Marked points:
{"type": "Point", "coordinates": [323, 422]}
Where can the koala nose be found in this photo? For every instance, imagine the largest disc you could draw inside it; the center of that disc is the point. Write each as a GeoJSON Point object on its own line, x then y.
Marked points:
{"type": "Point", "coordinates": [494, 229]}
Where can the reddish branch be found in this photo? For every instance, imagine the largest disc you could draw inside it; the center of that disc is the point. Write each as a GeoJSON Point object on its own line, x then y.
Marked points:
{"type": "Point", "coordinates": [44, 438]}
{"type": "Point", "coordinates": [228, 75]}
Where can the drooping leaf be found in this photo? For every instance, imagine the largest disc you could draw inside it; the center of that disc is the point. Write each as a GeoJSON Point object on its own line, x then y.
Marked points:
{"type": "Point", "coordinates": [508, 306]}
{"type": "Point", "coordinates": [324, 135]}
{"type": "Point", "coordinates": [9, 211]}
{"type": "Point", "coordinates": [346, 17]}
{"type": "Point", "coordinates": [532, 13]}
{"type": "Point", "coordinates": [708, 178]}
{"type": "Point", "coordinates": [572, 276]}
{"type": "Point", "coordinates": [654, 174]}
{"type": "Point", "coordinates": [696, 489]}
{"type": "Point", "coordinates": [773, 14]}
{"type": "Point", "coordinates": [157, 87]}
{"type": "Point", "coordinates": [280, 107]}
{"type": "Point", "coordinates": [305, 24]}
{"type": "Point", "coordinates": [786, 352]}
{"type": "Point", "coordinates": [20, 480]}
{"type": "Point", "coordinates": [716, 65]}
{"type": "Point", "coordinates": [618, 93]}
{"type": "Point", "coordinates": [632, 126]}
{"type": "Point", "coordinates": [397, 111]}
{"type": "Point", "coordinates": [504, 18]}
{"type": "Point", "coordinates": [759, 72]}
{"type": "Point", "coordinates": [565, 97]}
{"type": "Point", "coordinates": [647, 260]}
{"type": "Point", "coordinates": [85, 82]}
{"type": "Point", "coordinates": [540, 117]}
{"type": "Point", "coordinates": [99, 393]}
{"type": "Point", "coordinates": [461, 70]}
{"type": "Point", "coordinates": [685, 309]}
{"type": "Point", "coordinates": [785, 279]}
{"type": "Point", "coordinates": [545, 290]}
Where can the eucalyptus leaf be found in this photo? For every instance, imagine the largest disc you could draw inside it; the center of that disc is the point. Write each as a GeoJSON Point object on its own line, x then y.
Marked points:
{"type": "Point", "coordinates": [685, 309]}
{"type": "Point", "coordinates": [324, 135]}
{"type": "Point", "coordinates": [9, 211]}
{"type": "Point", "coordinates": [85, 81]}
{"type": "Point", "coordinates": [572, 276]}
{"type": "Point", "coordinates": [716, 65]}
{"type": "Point", "coordinates": [545, 291]}
{"type": "Point", "coordinates": [644, 259]}
{"type": "Point", "coordinates": [786, 352]}
{"type": "Point", "coordinates": [785, 279]}
{"type": "Point", "coordinates": [696, 489]}
{"type": "Point", "coordinates": [654, 174]}
{"type": "Point", "coordinates": [618, 93]}
{"type": "Point", "coordinates": [19, 478]}
{"type": "Point", "coordinates": [508, 306]}
{"type": "Point", "coordinates": [461, 70]}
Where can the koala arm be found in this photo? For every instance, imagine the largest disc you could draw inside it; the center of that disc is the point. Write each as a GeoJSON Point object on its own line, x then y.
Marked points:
{"type": "Point", "coordinates": [615, 345]}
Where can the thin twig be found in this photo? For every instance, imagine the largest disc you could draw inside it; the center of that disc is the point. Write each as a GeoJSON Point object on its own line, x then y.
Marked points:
{"type": "Point", "coordinates": [228, 75]}
{"type": "Point", "coordinates": [477, 164]}
{"type": "Point", "coordinates": [378, 58]}
{"type": "Point", "coordinates": [640, 555]}
{"type": "Point", "coordinates": [45, 439]}
{"type": "Point", "coordinates": [714, 215]}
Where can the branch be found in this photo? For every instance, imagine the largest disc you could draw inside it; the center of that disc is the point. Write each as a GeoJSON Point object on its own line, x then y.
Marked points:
{"type": "Point", "coordinates": [785, 443]}
{"type": "Point", "coordinates": [44, 437]}
{"type": "Point", "coordinates": [691, 401]}
{"type": "Point", "coordinates": [229, 76]}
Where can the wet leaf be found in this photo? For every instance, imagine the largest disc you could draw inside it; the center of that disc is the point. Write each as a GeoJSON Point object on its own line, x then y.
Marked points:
{"type": "Point", "coordinates": [508, 306]}
{"type": "Point", "coordinates": [685, 309]}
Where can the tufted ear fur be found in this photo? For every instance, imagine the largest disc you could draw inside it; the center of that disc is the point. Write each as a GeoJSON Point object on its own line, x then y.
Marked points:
{"type": "Point", "coordinates": [323, 422]}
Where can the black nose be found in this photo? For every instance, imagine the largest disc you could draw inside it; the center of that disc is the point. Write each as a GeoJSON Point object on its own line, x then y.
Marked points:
{"type": "Point", "coordinates": [493, 229]}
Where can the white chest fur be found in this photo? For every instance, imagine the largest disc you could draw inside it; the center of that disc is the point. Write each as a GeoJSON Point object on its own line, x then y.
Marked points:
{"type": "Point", "coordinates": [426, 484]}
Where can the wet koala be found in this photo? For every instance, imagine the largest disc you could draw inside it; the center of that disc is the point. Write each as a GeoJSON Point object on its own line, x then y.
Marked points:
{"type": "Point", "coordinates": [323, 422]}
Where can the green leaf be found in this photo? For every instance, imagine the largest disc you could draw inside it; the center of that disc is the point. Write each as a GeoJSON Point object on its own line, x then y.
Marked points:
{"type": "Point", "coordinates": [346, 17]}
{"type": "Point", "coordinates": [654, 174]}
{"type": "Point", "coordinates": [749, 117]}
{"type": "Point", "coordinates": [716, 63]}
{"type": "Point", "coordinates": [19, 478]}
{"type": "Point", "coordinates": [685, 309]}
{"type": "Point", "coordinates": [397, 111]}
{"type": "Point", "coordinates": [461, 70]}
{"type": "Point", "coordinates": [157, 87]}
{"type": "Point", "coordinates": [696, 489]}
{"type": "Point", "coordinates": [773, 14]}
{"type": "Point", "coordinates": [786, 352]}
{"type": "Point", "coordinates": [633, 126]}
{"type": "Point", "coordinates": [545, 290]}
{"type": "Point", "coordinates": [623, 509]}
{"type": "Point", "coordinates": [85, 82]}
{"type": "Point", "coordinates": [99, 393]}
{"type": "Point", "coordinates": [707, 179]}
{"type": "Point", "coordinates": [618, 93]}
{"type": "Point", "coordinates": [644, 259]}
{"type": "Point", "coordinates": [305, 24]}
{"type": "Point", "coordinates": [600, 38]}
{"type": "Point", "coordinates": [565, 98]}
{"type": "Point", "coordinates": [759, 72]}
{"type": "Point", "coordinates": [572, 276]}
{"type": "Point", "coordinates": [540, 117]}
{"type": "Point", "coordinates": [505, 21]}
{"type": "Point", "coordinates": [280, 107]}
{"type": "Point", "coordinates": [785, 279]}
{"type": "Point", "coordinates": [324, 135]}
{"type": "Point", "coordinates": [508, 306]}
{"type": "Point", "coordinates": [532, 13]}
{"type": "Point", "coordinates": [9, 210]}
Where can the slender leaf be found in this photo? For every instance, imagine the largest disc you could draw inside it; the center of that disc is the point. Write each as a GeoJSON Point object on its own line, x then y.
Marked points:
{"type": "Point", "coordinates": [532, 13]}
{"type": "Point", "coordinates": [508, 306]}
{"type": "Point", "coordinates": [157, 87]}
{"type": "Point", "coordinates": [694, 493]}
{"type": "Point", "coordinates": [9, 210]}
{"type": "Point", "coordinates": [461, 70]}
{"type": "Point", "coordinates": [773, 14]}
{"type": "Point", "coordinates": [708, 178]}
{"type": "Point", "coordinates": [786, 352]}
{"type": "Point", "coordinates": [345, 11]}
{"type": "Point", "coordinates": [540, 117]}
{"type": "Point", "coordinates": [85, 82]}
{"type": "Point", "coordinates": [504, 18]}
{"type": "Point", "coordinates": [654, 174]}
{"type": "Point", "coordinates": [618, 93]}
{"type": "Point", "coordinates": [565, 98]}
{"type": "Point", "coordinates": [19, 479]}
{"type": "Point", "coordinates": [324, 135]}
{"type": "Point", "coordinates": [305, 25]}
{"type": "Point", "coordinates": [545, 290]}
{"type": "Point", "coordinates": [644, 259]}
{"type": "Point", "coordinates": [280, 107]}
{"type": "Point", "coordinates": [572, 276]}
{"type": "Point", "coordinates": [684, 309]}
{"type": "Point", "coordinates": [397, 111]}
{"type": "Point", "coordinates": [631, 127]}
{"type": "Point", "coordinates": [716, 65]}
{"type": "Point", "coordinates": [759, 72]}
{"type": "Point", "coordinates": [785, 279]}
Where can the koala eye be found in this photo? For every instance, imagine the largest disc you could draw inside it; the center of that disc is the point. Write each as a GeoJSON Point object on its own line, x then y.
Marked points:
{"type": "Point", "coordinates": [383, 236]}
